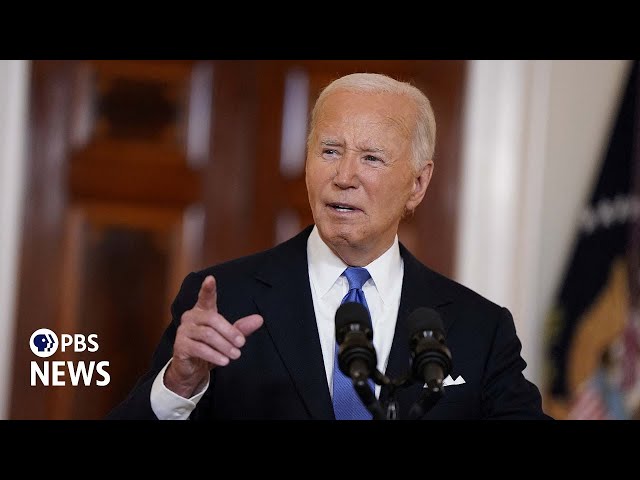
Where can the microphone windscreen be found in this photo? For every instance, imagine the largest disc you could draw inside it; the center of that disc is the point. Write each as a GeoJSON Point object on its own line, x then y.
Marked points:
{"type": "Point", "coordinates": [424, 318]}
{"type": "Point", "coordinates": [351, 312]}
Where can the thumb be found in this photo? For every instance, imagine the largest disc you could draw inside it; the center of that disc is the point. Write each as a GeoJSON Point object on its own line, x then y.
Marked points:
{"type": "Point", "coordinates": [208, 295]}
{"type": "Point", "coordinates": [249, 324]}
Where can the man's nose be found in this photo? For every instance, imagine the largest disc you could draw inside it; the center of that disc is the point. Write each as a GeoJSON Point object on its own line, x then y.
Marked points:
{"type": "Point", "coordinates": [347, 170]}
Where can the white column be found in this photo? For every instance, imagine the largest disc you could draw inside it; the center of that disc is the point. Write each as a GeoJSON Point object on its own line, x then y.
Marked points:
{"type": "Point", "coordinates": [505, 134]}
{"type": "Point", "coordinates": [14, 81]}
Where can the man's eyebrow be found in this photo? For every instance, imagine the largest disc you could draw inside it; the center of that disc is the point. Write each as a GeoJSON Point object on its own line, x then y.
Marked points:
{"type": "Point", "coordinates": [331, 143]}
{"type": "Point", "coordinates": [371, 148]}
{"type": "Point", "coordinates": [365, 148]}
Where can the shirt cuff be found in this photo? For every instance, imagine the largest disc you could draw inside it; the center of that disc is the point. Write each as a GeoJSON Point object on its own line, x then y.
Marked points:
{"type": "Point", "coordinates": [168, 405]}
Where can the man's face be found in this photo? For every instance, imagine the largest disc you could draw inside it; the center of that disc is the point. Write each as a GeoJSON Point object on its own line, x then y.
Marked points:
{"type": "Point", "coordinates": [359, 172]}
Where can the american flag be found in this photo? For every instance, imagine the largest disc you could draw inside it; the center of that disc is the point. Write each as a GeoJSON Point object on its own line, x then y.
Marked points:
{"type": "Point", "coordinates": [613, 392]}
{"type": "Point", "coordinates": [589, 402]}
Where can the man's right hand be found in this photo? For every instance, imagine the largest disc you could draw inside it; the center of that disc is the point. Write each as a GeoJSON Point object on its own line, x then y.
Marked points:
{"type": "Point", "coordinates": [205, 340]}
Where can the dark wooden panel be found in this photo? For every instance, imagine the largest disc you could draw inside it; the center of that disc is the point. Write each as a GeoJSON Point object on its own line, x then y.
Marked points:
{"type": "Point", "coordinates": [97, 174]}
{"type": "Point", "coordinates": [231, 176]}
{"type": "Point", "coordinates": [110, 221]}
{"type": "Point", "coordinates": [39, 288]}
{"type": "Point", "coordinates": [117, 276]}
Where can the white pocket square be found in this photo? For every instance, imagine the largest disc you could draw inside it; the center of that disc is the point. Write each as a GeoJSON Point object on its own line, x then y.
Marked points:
{"type": "Point", "coordinates": [450, 381]}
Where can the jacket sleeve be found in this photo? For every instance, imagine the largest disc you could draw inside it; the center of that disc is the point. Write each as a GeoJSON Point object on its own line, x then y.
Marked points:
{"type": "Point", "coordinates": [506, 393]}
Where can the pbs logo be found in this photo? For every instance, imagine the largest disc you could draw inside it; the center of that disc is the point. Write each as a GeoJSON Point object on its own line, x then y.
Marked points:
{"type": "Point", "coordinates": [43, 343]}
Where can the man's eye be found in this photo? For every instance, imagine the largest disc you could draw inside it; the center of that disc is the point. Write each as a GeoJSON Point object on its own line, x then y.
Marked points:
{"type": "Point", "coordinates": [329, 151]}
{"type": "Point", "coordinates": [372, 158]}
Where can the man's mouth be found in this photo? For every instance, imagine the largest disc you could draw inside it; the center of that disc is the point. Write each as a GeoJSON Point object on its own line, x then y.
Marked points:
{"type": "Point", "coordinates": [343, 207]}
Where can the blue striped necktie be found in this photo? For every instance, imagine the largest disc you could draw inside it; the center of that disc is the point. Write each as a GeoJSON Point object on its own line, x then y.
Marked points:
{"type": "Point", "coordinates": [346, 403]}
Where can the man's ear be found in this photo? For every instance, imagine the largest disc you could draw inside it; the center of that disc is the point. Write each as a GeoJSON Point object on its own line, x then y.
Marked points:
{"type": "Point", "coordinates": [420, 184]}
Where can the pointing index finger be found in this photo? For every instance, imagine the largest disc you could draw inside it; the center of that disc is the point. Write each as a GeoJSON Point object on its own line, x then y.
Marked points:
{"type": "Point", "coordinates": [208, 295]}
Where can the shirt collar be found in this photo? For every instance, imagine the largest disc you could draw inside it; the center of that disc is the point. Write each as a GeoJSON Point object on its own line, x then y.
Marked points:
{"type": "Point", "coordinates": [325, 267]}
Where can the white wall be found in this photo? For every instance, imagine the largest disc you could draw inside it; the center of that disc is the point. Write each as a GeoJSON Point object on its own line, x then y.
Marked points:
{"type": "Point", "coordinates": [535, 131]}
{"type": "Point", "coordinates": [13, 93]}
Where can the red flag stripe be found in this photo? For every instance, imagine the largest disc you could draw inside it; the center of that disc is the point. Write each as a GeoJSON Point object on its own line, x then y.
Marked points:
{"type": "Point", "coordinates": [589, 405]}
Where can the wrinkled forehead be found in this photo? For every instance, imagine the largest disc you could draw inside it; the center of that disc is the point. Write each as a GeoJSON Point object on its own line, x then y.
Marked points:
{"type": "Point", "coordinates": [360, 113]}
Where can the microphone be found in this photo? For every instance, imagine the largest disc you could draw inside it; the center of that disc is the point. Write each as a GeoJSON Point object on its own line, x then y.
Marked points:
{"type": "Point", "coordinates": [430, 357]}
{"type": "Point", "coordinates": [356, 354]}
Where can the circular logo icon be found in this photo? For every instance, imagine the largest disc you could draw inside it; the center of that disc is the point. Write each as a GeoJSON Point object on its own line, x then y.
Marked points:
{"type": "Point", "coordinates": [43, 342]}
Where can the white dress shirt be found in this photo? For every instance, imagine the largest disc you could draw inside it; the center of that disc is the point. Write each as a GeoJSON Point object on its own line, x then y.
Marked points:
{"type": "Point", "coordinates": [328, 288]}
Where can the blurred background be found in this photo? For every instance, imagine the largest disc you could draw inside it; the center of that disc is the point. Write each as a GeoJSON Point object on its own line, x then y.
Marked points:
{"type": "Point", "coordinates": [117, 178]}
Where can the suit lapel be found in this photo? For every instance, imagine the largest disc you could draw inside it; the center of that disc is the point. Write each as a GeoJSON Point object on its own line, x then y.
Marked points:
{"type": "Point", "coordinates": [287, 306]}
{"type": "Point", "coordinates": [419, 289]}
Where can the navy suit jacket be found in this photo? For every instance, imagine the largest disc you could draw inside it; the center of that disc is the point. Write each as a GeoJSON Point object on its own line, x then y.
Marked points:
{"type": "Point", "coordinates": [281, 375]}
